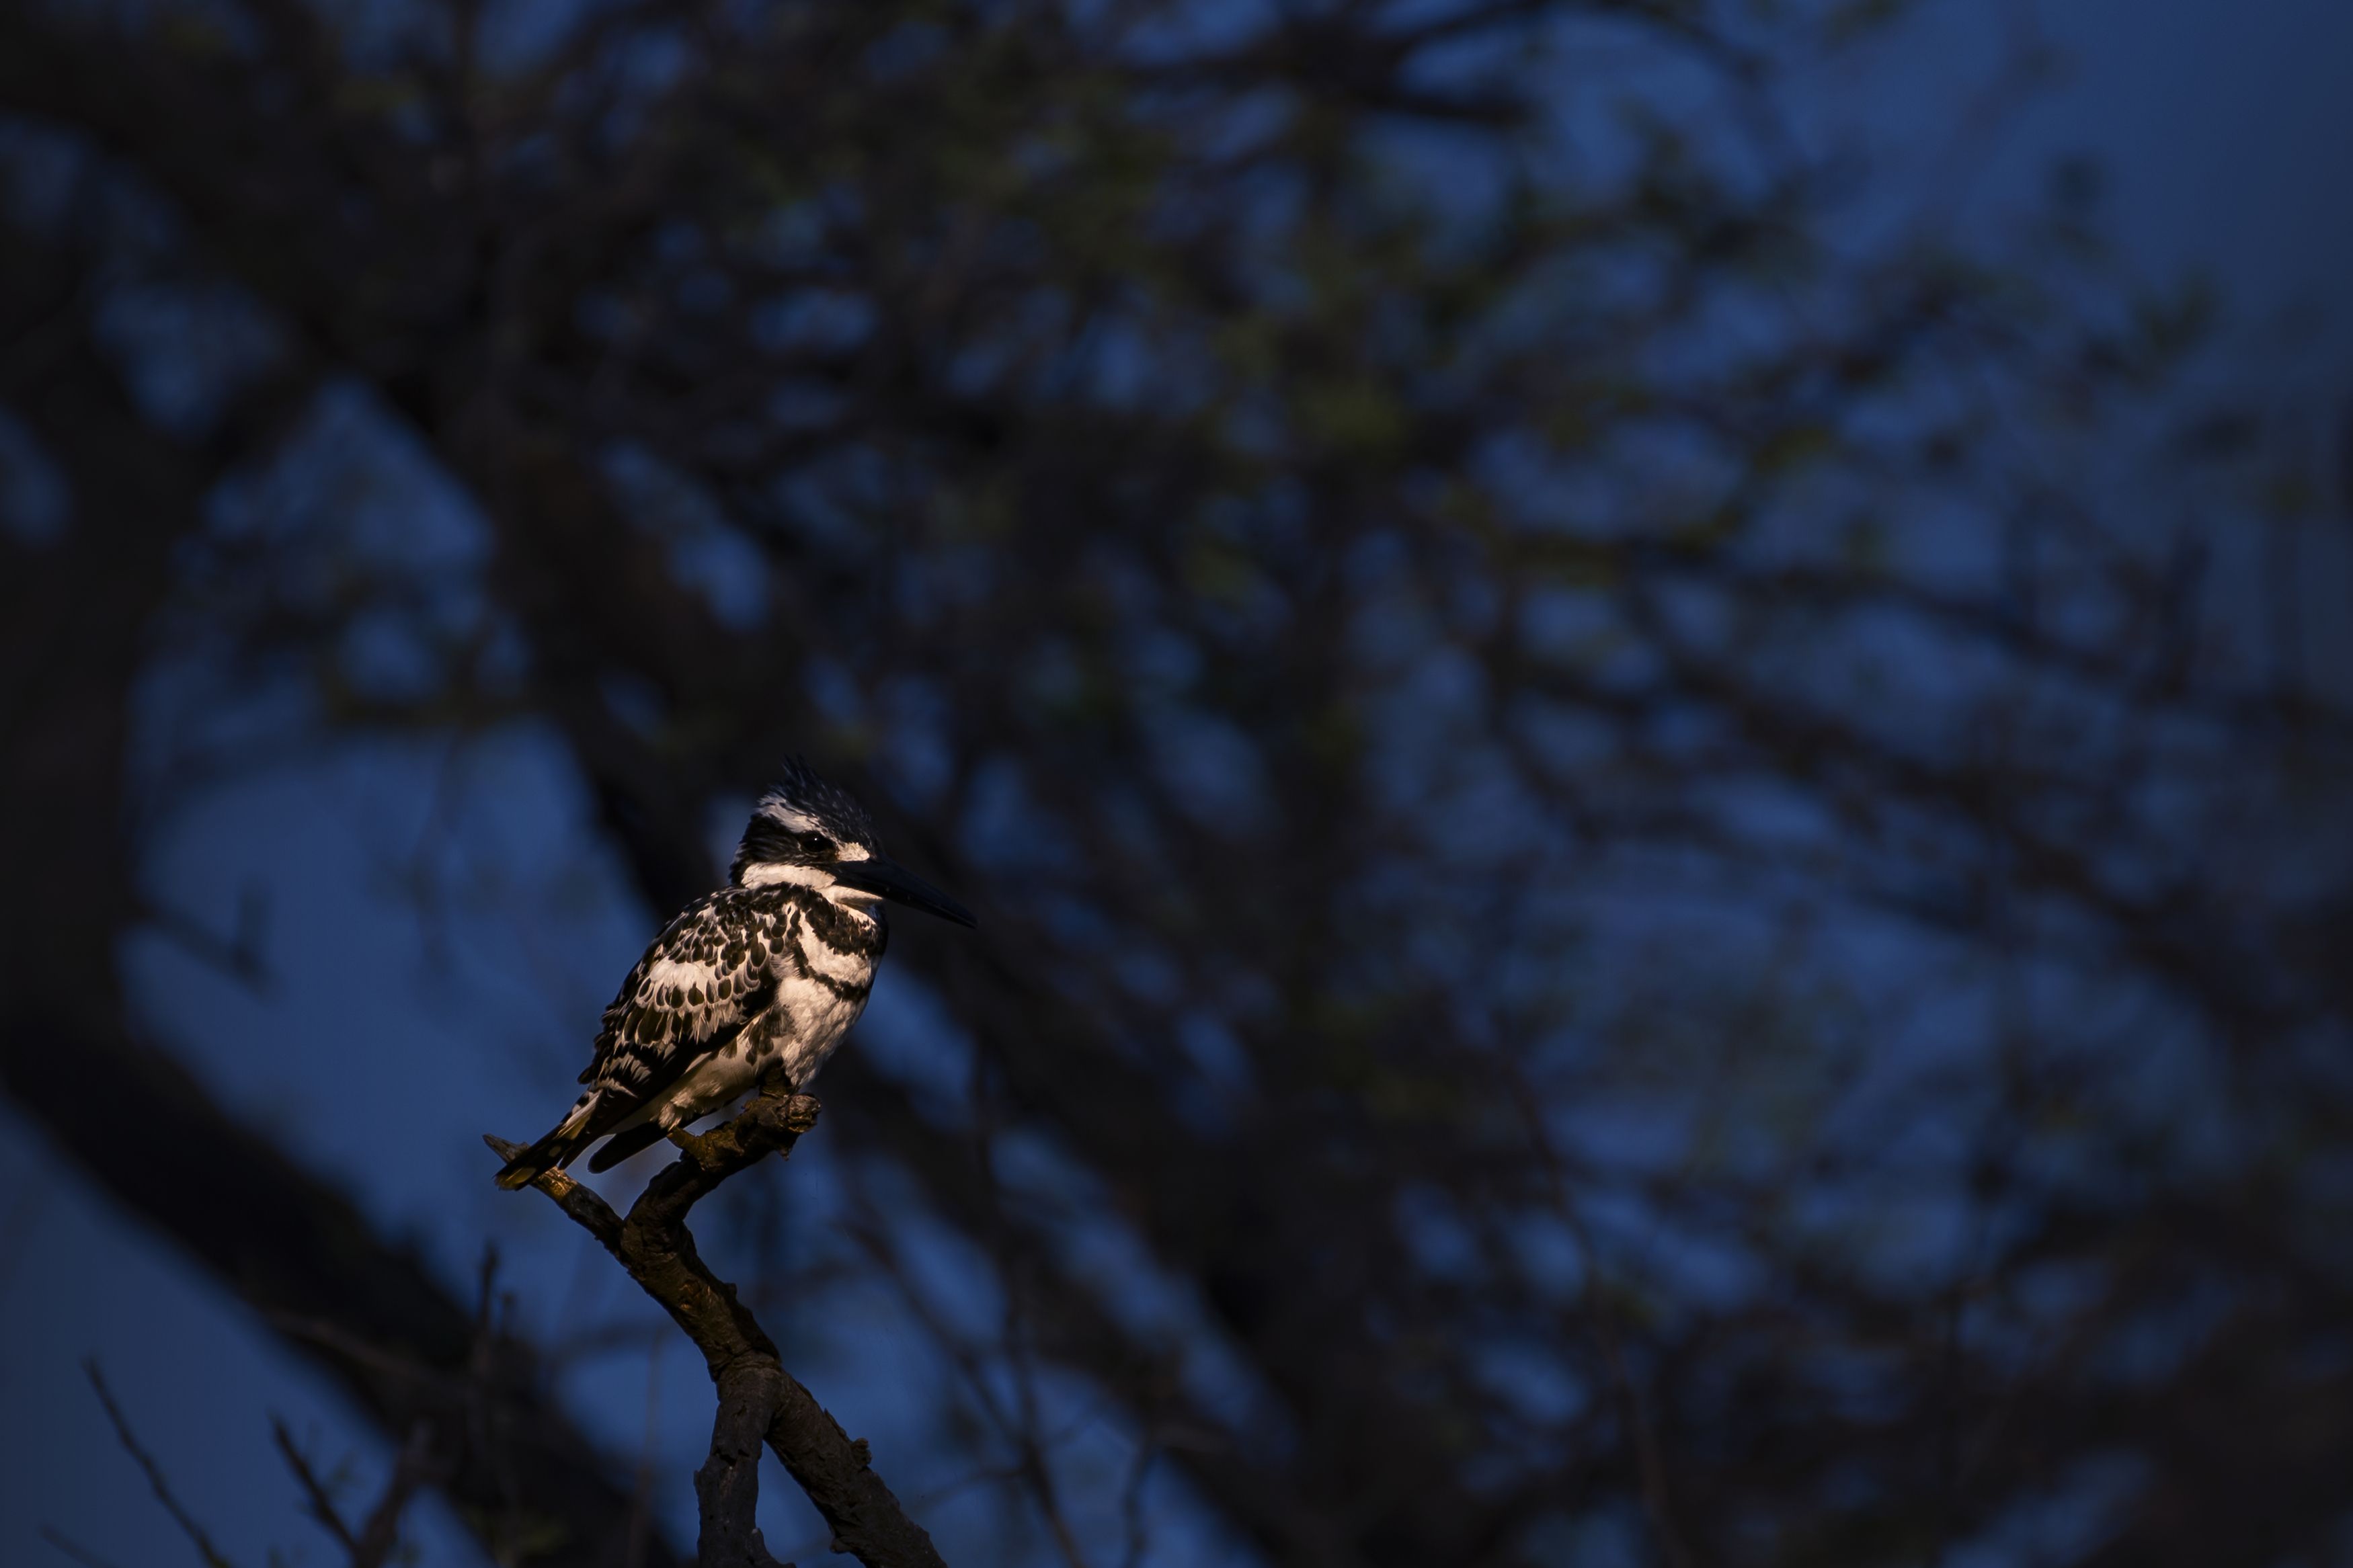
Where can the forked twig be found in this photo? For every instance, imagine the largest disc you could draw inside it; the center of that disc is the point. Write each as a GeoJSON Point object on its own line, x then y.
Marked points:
{"type": "Point", "coordinates": [317, 1500]}
{"type": "Point", "coordinates": [371, 1543]}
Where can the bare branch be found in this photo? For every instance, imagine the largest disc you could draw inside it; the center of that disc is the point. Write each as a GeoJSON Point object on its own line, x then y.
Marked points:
{"type": "Point", "coordinates": [212, 1555]}
{"type": "Point", "coordinates": [757, 1397]}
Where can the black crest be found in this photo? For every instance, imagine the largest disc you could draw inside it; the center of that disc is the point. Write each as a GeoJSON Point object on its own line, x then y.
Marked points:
{"type": "Point", "coordinates": [800, 818]}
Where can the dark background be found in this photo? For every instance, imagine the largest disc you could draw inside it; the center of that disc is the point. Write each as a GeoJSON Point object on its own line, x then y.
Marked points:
{"type": "Point", "coordinates": [1665, 887]}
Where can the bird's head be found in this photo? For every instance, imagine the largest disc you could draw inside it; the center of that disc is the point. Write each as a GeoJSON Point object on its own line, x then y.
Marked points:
{"type": "Point", "coordinates": [810, 832]}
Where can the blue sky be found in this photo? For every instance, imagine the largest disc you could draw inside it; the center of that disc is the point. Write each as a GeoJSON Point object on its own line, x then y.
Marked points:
{"type": "Point", "coordinates": [2229, 133]}
{"type": "Point", "coordinates": [2226, 131]}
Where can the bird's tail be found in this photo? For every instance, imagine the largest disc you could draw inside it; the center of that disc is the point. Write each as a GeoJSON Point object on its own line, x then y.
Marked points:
{"type": "Point", "coordinates": [621, 1145]}
{"type": "Point", "coordinates": [554, 1150]}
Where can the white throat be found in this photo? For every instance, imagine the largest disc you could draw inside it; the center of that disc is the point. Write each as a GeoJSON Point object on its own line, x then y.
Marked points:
{"type": "Point", "coordinates": [768, 873]}
{"type": "Point", "coordinates": [857, 900]}
{"type": "Point", "coordinates": [818, 878]}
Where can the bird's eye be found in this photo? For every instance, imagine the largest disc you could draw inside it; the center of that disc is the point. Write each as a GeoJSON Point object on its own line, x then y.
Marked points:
{"type": "Point", "coordinates": [815, 843]}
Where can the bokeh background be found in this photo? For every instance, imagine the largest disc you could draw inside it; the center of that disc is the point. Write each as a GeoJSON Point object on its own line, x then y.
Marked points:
{"type": "Point", "coordinates": [1648, 701]}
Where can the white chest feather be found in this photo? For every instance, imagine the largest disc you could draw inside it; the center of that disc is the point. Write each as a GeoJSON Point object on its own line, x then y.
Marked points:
{"type": "Point", "coordinates": [799, 1029]}
{"type": "Point", "coordinates": [818, 1016]}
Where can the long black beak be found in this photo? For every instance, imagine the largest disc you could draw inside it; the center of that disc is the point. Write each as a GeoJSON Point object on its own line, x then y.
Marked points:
{"type": "Point", "coordinates": [901, 886]}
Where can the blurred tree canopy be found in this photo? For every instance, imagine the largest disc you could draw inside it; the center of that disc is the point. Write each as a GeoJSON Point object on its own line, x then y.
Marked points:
{"type": "Point", "coordinates": [1663, 841]}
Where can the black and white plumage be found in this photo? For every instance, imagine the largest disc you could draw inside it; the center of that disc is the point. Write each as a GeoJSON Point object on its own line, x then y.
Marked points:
{"type": "Point", "coordinates": [772, 969]}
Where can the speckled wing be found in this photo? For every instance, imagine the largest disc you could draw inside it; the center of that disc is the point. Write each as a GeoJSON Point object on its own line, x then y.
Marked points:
{"type": "Point", "coordinates": [711, 970]}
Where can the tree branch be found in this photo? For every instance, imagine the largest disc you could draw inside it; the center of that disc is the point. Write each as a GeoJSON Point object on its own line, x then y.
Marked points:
{"type": "Point", "coordinates": [758, 1399]}
{"type": "Point", "coordinates": [84, 613]}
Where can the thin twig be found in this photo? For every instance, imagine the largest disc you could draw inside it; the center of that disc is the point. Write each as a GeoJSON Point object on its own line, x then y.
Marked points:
{"type": "Point", "coordinates": [414, 1469]}
{"type": "Point", "coordinates": [318, 1501]}
{"type": "Point", "coordinates": [195, 1532]}
{"type": "Point", "coordinates": [372, 1544]}
{"type": "Point", "coordinates": [79, 1552]}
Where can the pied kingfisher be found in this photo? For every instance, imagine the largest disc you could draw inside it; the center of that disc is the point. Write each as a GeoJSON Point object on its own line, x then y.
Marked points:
{"type": "Point", "coordinates": [771, 969]}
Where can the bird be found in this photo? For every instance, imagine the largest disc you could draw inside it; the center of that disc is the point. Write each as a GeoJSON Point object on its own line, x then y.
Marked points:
{"type": "Point", "coordinates": [768, 973]}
